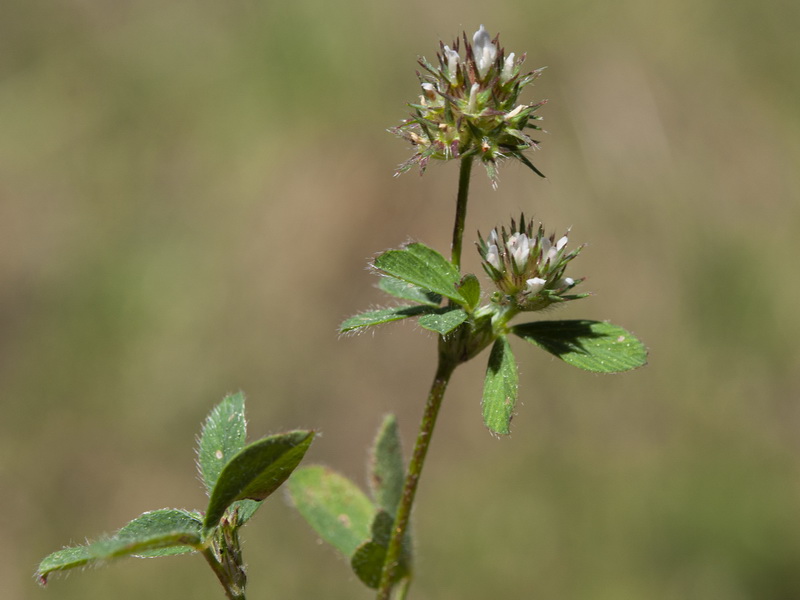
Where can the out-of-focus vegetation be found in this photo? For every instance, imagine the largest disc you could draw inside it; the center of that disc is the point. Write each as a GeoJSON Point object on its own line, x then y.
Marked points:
{"type": "Point", "coordinates": [189, 192]}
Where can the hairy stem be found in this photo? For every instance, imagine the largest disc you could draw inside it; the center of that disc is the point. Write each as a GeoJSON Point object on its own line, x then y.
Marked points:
{"type": "Point", "coordinates": [443, 373]}
{"type": "Point", "coordinates": [234, 589]}
{"type": "Point", "coordinates": [461, 209]}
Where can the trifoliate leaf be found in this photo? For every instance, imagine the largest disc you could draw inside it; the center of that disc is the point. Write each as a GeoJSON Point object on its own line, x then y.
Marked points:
{"type": "Point", "coordinates": [590, 345]}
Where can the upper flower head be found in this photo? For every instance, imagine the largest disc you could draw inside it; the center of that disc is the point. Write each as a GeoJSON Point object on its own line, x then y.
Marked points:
{"type": "Point", "coordinates": [527, 266]}
{"type": "Point", "coordinates": [469, 107]}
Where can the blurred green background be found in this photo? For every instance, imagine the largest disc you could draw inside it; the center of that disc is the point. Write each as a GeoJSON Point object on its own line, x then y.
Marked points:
{"type": "Point", "coordinates": [189, 193]}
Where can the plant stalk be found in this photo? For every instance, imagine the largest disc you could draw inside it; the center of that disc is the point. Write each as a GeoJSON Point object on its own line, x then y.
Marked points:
{"type": "Point", "coordinates": [443, 373]}
{"type": "Point", "coordinates": [233, 589]}
{"type": "Point", "coordinates": [461, 209]}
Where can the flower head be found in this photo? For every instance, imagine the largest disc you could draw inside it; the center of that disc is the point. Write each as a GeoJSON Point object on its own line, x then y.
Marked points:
{"type": "Point", "coordinates": [527, 266]}
{"type": "Point", "coordinates": [468, 107]}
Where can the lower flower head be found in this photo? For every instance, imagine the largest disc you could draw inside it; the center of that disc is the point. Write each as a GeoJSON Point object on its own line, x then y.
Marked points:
{"type": "Point", "coordinates": [527, 266]}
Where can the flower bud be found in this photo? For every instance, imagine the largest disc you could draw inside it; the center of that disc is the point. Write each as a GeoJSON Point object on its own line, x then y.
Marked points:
{"type": "Point", "coordinates": [535, 285]}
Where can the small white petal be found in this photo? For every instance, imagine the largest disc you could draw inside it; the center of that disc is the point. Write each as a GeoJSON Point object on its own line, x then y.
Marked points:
{"type": "Point", "coordinates": [508, 68]}
{"type": "Point", "coordinates": [493, 257]}
{"type": "Point", "coordinates": [564, 284]}
{"type": "Point", "coordinates": [452, 61]}
{"type": "Point", "coordinates": [511, 243]}
{"type": "Point", "coordinates": [480, 39]}
{"type": "Point", "coordinates": [493, 237]}
{"type": "Point", "coordinates": [546, 245]}
{"type": "Point", "coordinates": [561, 243]}
{"type": "Point", "coordinates": [515, 112]}
{"type": "Point", "coordinates": [535, 285]}
{"type": "Point", "coordinates": [473, 97]}
{"type": "Point", "coordinates": [484, 51]}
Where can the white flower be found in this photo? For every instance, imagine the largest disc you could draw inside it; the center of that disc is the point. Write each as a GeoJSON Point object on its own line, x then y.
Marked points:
{"type": "Point", "coordinates": [493, 256]}
{"type": "Point", "coordinates": [513, 113]}
{"type": "Point", "coordinates": [473, 97]}
{"type": "Point", "coordinates": [484, 51]}
{"type": "Point", "coordinates": [520, 248]}
{"type": "Point", "coordinates": [550, 252]}
{"type": "Point", "coordinates": [546, 245]}
{"type": "Point", "coordinates": [508, 68]}
{"type": "Point", "coordinates": [564, 282]}
{"type": "Point", "coordinates": [452, 62]}
{"type": "Point", "coordinates": [535, 285]}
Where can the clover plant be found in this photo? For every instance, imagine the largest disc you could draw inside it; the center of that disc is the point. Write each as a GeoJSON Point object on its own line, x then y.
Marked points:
{"type": "Point", "coordinates": [469, 111]}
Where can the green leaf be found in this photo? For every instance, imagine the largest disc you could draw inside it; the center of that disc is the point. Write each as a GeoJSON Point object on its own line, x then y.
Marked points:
{"type": "Point", "coordinates": [166, 523]}
{"type": "Point", "coordinates": [257, 471]}
{"type": "Point", "coordinates": [590, 345]}
{"type": "Point", "coordinates": [157, 533]}
{"type": "Point", "coordinates": [222, 437]}
{"type": "Point", "coordinates": [367, 561]}
{"type": "Point", "coordinates": [384, 315]}
{"type": "Point", "coordinates": [424, 267]}
{"type": "Point", "coordinates": [386, 473]}
{"type": "Point", "coordinates": [407, 291]}
{"type": "Point", "coordinates": [386, 478]}
{"type": "Point", "coordinates": [62, 560]}
{"type": "Point", "coordinates": [500, 388]}
{"type": "Point", "coordinates": [470, 289]}
{"type": "Point", "coordinates": [334, 507]}
{"type": "Point", "coordinates": [444, 320]}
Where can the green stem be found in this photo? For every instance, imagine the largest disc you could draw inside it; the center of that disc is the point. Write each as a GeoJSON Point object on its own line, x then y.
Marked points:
{"type": "Point", "coordinates": [403, 589]}
{"type": "Point", "coordinates": [443, 373]}
{"type": "Point", "coordinates": [233, 590]}
{"type": "Point", "coordinates": [461, 209]}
